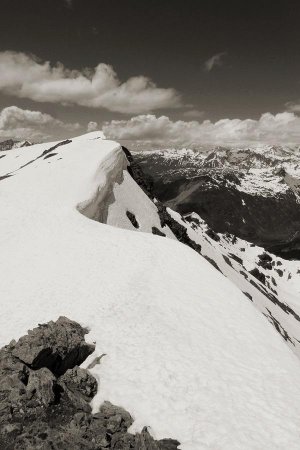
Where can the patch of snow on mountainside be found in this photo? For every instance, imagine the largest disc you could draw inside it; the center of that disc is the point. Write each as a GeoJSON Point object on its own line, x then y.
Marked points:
{"type": "Point", "coordinates": [186, 352]}
{"type": "Point", "coordinates": [271, 283]}
{"type": "Point", "coordinates": [260, 166]}
{"type": "Point", "coordinates": [250, 192]}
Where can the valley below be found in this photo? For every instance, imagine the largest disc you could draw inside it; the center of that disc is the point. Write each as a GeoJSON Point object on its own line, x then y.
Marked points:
{"type": "Point", "coordinates": [252, 193]}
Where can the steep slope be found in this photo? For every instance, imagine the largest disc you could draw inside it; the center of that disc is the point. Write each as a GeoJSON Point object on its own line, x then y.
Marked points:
{"type": "Point", "coordinates": [185, 351]}
{"type": "Point", "coordinates": [270, 283]}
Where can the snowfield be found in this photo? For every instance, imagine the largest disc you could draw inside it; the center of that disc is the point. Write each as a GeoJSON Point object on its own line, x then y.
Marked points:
{"type": "Point", "coordinates": [277, 298]}
{"type": "Point", "coordinates": [185, 351]}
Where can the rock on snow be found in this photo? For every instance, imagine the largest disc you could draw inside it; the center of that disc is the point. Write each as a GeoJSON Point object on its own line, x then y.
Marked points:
{"type": "Point", "coordinates": [185, 351]}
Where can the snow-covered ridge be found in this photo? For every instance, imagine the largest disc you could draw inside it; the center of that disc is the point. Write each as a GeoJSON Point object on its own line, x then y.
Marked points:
{"type": "Point", "coordinates": [186, 352]}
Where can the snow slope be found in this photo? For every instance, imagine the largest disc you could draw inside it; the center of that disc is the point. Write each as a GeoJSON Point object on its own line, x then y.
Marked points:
{"type": "Point", "coordinates": [276, 294]}
{"type": "Point", "coordinates": [186, 352]}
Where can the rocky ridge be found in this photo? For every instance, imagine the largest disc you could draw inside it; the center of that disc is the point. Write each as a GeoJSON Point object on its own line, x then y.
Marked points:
{"type": "Point", "coordinates": [45, 397]}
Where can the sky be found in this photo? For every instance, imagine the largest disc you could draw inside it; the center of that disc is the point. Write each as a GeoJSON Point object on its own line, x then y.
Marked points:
{"type": "Point", "coordinates": [165, 71]}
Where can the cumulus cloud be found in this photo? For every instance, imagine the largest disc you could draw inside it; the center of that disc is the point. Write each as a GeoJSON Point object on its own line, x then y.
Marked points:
{"type": "Point", "coordinates": [25, 76]}
{"type": "Point", "coordinates": [279, 128]}
{"type": "Point", "coordinates": [214, 61]}
{"type": "Point", "coordinates": [293, 107]}
{"type": "Point", "coordinates": [33, 125]}
{"type": "Point", "coordinates": [92, 126]}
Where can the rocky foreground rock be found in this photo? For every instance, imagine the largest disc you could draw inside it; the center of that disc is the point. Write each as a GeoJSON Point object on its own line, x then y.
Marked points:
{"type": "Point", "coordinates": [45, 397]}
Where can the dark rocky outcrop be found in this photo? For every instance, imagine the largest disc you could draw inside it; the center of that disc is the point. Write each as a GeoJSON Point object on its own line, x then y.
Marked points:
{"type": "Point", "coordinates": [155, 230]}
{"type": "Point", "coordinates": [45, 397]}
{"type": "Point", "coordinates": [212, 262]}
{"type": "Point", "coordinates": [236, 258]}
{"type": "Point", "coordinates": [59, 346]}
{"type": "Point", "coordinates": [132, 219]}
{"type": "Point", "coordinates": [144, 181]}
{"type": "Point", "coordinates": [178, 230]}
{"type": "Point", "coordinates": [227, 260]}
{"type": "Point", "coordinates": [146, 184]}
{"type": "Point", "coordinates": [212, 234]}
{"type": "Point", "coordinates": [49, 150]}
{"type": "Point", "coordinates": [49, 155]}
{"type": "Point", "coordinates": [265, 261]}
{"type": "Point", "coordinates": [278, 327]}
{"type": "Point", "coordinates": [258, 275]}
{"type": "Point", "coordinates": [248, 295]}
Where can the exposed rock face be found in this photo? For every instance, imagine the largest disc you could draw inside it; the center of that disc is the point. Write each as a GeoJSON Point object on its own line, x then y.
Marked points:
{"type": "Point", "coordinates": [156, 231]}
{"type": "Point", "coordinates": [234, 190]}
{"type": "Point", "coordinates": [132, 219]}
{"type": "Point", "coordinates": [178, 230]}
{"type": "Point", "coordinates": [145, 183]}
{"type": "Point", "coordinates": [59, 346]}
{"type": "Point", "coordinates": [45, 397]}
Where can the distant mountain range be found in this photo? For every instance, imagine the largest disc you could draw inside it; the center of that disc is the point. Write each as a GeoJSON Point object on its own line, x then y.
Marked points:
{"type": "Point", "coordinates": [251, 192]}
{"type": "Point", "coordinates": [9, 144]}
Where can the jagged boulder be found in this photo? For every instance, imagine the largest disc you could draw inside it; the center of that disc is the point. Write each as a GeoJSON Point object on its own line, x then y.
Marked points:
{"type": "Point", "coordinates": [144, 441]}
{"type": "Point", "coordinates": [59, 346]}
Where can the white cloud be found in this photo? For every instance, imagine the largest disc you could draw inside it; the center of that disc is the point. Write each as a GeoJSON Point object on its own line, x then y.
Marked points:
{"type": "Point", "coordinates": [33, 125]}
{"type": "Point", "coordinates": [215, 60]}
{"type": "Point", "coordinates": [193, 114]}
{"type": "Point", "coordinates": [92, 126]}
{"type": "Point", "coordinates": [279, 128]}
{"type": "Point", "coordinates": [293, 107]}
{"type": "Point", "coordinates": [24, 76]}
